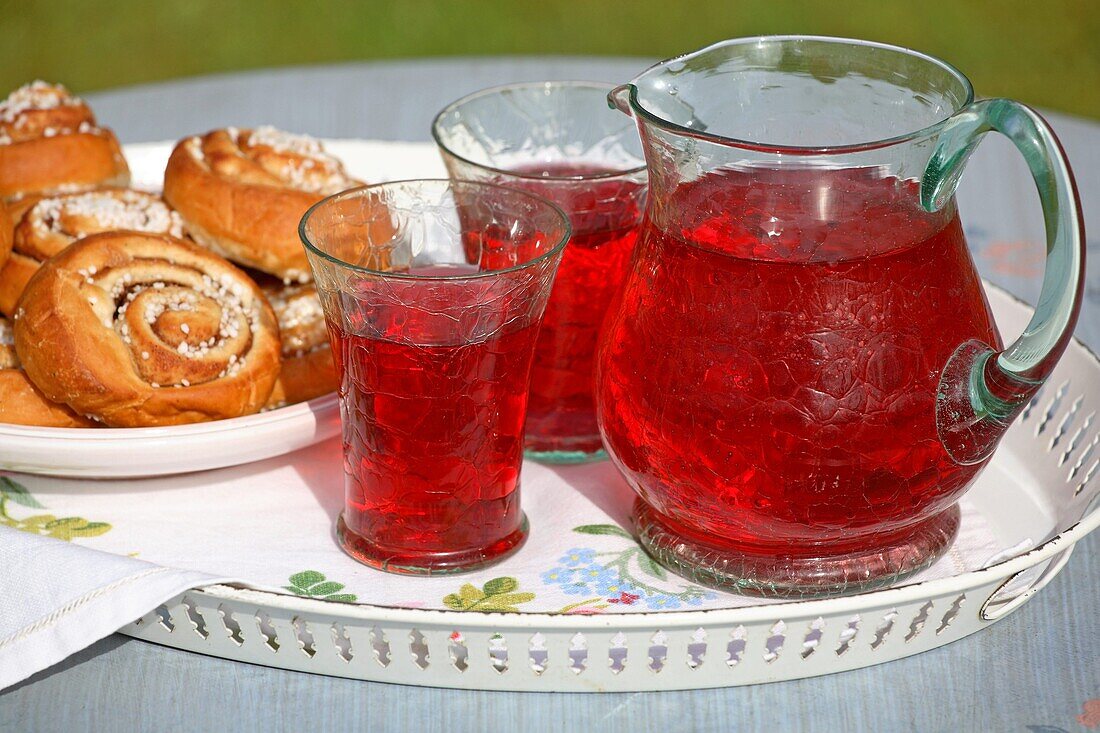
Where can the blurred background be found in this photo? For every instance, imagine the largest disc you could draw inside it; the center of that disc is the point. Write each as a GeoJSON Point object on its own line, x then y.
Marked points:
{"type": "Point", "coordinates": [1043, 53]}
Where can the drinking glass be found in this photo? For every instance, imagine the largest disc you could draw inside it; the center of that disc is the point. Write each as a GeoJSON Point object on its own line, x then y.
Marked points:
{"type": "Point", "coordinates": [561, 141]}
{"type": "Point", "coordinates": [433, 292]}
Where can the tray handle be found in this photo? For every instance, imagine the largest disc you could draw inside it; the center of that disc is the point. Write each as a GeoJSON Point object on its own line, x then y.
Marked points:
{"type": "Point", "coordinates": [1019, 587]}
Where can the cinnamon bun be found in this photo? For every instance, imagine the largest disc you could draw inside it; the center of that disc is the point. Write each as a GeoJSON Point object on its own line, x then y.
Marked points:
{"type": "Point", "coordinates": [140, 329]}
{"type": "Point", "coordinates": [50, 142]}
{"type": "Point", "coordinates": [6, 232]}
{"type": "Point", "coordinates": [46, 225]}
{"type": "Point", "coordinates": [242, 193]}
{"type": "Point", "coordinates": [308, 370]}
{"type": "Point", "coordinates": [21, 403]}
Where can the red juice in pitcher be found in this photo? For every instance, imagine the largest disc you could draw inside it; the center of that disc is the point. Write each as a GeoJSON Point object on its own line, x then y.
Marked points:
{"type": "Point", "coordinates": [802, 377]}
{"type": "Point", "coordinates": [433, 431]}
{"type": "Point", "coordinates": [605, 213]}
{"type": "Point", "coordinates": [769, 378]}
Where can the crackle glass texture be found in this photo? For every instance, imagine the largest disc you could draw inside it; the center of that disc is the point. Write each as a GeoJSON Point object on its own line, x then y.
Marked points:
{"type": "Point", "coordinates": [767, 380]}
{"type": "Point", "coordinates": [561, 141]}
{"type": "Point", "coordinates": [433, 293]}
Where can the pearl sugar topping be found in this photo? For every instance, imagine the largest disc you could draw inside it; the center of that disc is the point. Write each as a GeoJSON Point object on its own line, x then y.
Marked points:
{"type": "Point", "coordinates": [78, 215]}
{"type": "Point", "coordinates": [182, 327]}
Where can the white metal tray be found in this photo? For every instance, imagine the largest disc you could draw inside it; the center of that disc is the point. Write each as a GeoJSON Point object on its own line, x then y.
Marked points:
{"type": "Point", "coordinates": [1051, 455]}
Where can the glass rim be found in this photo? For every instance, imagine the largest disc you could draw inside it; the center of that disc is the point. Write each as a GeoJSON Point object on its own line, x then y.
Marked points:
{"type": "Point", "coordinates": [604, 87]}
{"type": "Point", "coordinates": [567, 229]}
{"type": "Point", "coordinates": [926, 131]}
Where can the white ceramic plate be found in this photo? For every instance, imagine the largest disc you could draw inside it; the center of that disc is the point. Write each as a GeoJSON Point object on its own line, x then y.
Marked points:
{"type": "Point", "coordinates": [142, 452]}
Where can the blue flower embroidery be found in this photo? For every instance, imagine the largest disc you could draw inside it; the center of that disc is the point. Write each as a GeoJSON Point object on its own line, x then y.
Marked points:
{"type": "Point", "coordinates": [558, 576]}
{"type": "Point", "coordinates": [616, 586]}
{"type": "Point", "coordinates": [610, 576]}
{"type": "Point", "coordinates": [597, 574]}
{"type": "Point", "coordinates": [662, 602]}
{"type": "Point", "coordinates": [578, 556]}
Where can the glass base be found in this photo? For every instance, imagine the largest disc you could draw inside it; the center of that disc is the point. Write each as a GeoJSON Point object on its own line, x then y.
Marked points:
{"type": "Point", "coordinates": [439, 563]}
{"type": "Point", "coordinates": [777, 576]}
{"type": "Point", "coordinates": [565, 456]}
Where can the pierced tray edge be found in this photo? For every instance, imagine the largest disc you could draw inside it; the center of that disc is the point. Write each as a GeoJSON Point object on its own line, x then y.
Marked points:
{"type": "Point", "coordinates": [825, 607]}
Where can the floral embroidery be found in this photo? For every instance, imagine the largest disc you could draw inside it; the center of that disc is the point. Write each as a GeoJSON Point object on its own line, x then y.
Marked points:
{"type": "Point", "coordinates": [47, 525]}
{"type": "Point", "coordinates": [313, 584]}
{"type": "Point", "coordinates": [584, 608]}
{"type": "Point", "coordinates": [617, 577]}
{"type": "Point", "coordinates": [498, 594]}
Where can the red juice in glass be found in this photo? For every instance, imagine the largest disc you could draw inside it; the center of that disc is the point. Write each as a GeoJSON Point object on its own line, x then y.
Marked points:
{"type": "Point", "coordinates": [605, 213]}
{"type": "Point", "coordinates": [422, 416]}
{"type": "Point", "coordinates": [768, 381]}
{"type": "Point", "coordinates": [560, 141]}
{"type": "Point", "coordinates": [433, 292]}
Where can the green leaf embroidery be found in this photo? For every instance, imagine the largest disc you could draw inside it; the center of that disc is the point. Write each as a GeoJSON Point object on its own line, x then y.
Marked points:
{"type": "Point", "coordinates": [68, 527]}
{"type": "Point", "coordinates": [469, 593]}
{"type": "Point", "coordinates": [649, 566]}
{"type": "Point", "coordinates": [32, 523]}
{"type": "Point", "coordinates": [467, 597]}
{"type": "Point", "coordinates": [505, 604]}
{"type": "Point", "coordinates": [592, 603]}
{"type": "Point", "coordinates": [64, 522]}
{"type": "Point", "coordinates": [91, 529]}
{"type": "Point", "coordinates": [496, 586]}
{"type": "Point", "coordinates": [306, 578]}
{"type": "Point", "coordinates": [453, 602]}
{"type": "Point", "coordinates": [605, 529]}
{"type": "Point", "coordinates": [65, 528]}
{"type": "Point", "coordinates": [18, 493]}
{"type": "Point", "coordinates": [312, 584]}
{"type": "Point", "coordinates": [511, 599]}
{"type": "Point", "coordinates": [326, 589]}
{"type": "Point", "coordinates": [495, 595]}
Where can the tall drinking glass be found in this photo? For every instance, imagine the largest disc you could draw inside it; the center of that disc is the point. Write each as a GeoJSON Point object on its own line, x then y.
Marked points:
{"type": "Point", "coordinates": [561, 141]}
{"type": "Point", "coordinates": [433, 292]}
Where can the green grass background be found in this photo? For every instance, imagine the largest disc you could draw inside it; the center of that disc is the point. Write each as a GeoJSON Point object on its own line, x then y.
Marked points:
{"type": "Point", "coordinates": [1046, 53]}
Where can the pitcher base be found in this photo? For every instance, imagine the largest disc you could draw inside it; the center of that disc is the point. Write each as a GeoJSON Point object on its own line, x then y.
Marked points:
{"type": "Point", "coordinates": [777, 576]}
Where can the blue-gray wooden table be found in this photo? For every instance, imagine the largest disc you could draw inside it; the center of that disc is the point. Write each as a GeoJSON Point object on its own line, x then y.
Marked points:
{"type": "Point", "coordinates": [1037, 668]}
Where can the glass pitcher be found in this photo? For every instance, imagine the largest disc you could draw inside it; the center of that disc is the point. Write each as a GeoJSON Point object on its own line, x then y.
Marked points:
{"type": "Point", "coordinates": [802, 375]}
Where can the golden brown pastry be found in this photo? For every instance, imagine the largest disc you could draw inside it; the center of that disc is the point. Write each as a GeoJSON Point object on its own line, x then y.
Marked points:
{"type": "Point", "coordinates": [50, 142]}
{"type": "Point", "coordinates": [141, 329]}
{"type": "Point", "coordinates": [21, 402]}
{"type": "Point", "coordinates": [46, 225]}
{"type": "Point", "coordinates": [242, 192]}
{"type": "Point", "coordinates": [6, 231]}
{"type": "Point", "coordinates": [308, 370]}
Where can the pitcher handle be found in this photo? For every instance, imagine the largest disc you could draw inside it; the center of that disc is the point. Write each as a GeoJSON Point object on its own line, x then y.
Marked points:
{"type": "Point", "coordinates": [981, 391]}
